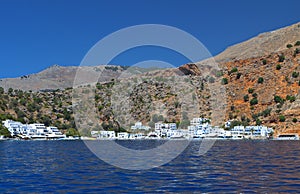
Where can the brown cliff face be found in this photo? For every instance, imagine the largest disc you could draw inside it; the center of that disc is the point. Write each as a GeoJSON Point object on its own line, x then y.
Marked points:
{"type": "Point", "coordinates": [254, 83]}
{"type": "Point", "coordinates": [262, 90]}
{"type": "Point", "coordinates": [190, 69]}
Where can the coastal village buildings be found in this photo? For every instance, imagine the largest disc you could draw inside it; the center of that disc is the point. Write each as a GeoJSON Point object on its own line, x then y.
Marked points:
{"type": "Point", "coordinates": [31, 131]}
{"type": "Point", "coordinates": [259, 132]}
{"type": "Point", "coordinates": [199, 128]}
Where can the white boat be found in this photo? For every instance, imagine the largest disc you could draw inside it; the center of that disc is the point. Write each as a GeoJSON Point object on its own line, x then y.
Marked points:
{"type": "Point", "coordinates": [152, 135]}
{"type": "Point", "coordinates": [69, 138]}
{"type": "Point", "coordinates": [287, 137]}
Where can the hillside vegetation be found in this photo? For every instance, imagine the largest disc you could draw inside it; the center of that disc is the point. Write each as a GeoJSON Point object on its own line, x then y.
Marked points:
{"type": "Point", "coordinates": [261, 78]}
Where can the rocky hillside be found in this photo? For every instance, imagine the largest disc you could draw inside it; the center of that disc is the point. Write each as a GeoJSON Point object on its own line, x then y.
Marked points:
{"type": "Point", "coordinates": [61, 77]}
{"type": "Point", "coordinates": [51, 108]}
{"type": "Point", "coordinates": [258, 83]}
{"type": "Point", "coordinates": [266, 89]}
{"type": "Point", "coordinates": [261, 45]}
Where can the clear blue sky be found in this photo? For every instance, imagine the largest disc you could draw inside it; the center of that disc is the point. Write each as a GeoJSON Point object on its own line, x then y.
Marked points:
{"type": "Point", "coordinates": [36, 34]}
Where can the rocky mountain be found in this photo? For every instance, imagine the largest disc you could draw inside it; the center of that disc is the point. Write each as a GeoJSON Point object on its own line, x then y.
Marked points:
{"type": "Point", "coordinates": [261, 45]}
{"type": "Point", "coordinates": [254, 82]}
{"type": "Point", "coordinates": [59, 77]}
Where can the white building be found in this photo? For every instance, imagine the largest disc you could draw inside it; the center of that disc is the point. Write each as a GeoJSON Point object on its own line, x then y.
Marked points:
{"type": "Point", "coordinates": [53, 132]}
{"type": "Point", "coordinates": [123, 135]}
{"type": "Point", "coordinates": [95, 133]}
{"type": "Point", "coordinates": [38, 128]}
{"type": "Point", "coordinates": [237, 132]}
{"type": "Point", "coordinates": [139, 126]}
{"type": "Point", "coordinates": [14, 127]}
{"type": "Point", "coordinates": [106, 135]}
{"type": "Point", "coordinates": [32, 130]}
{"type": "Point", "coordinates": [165, 126]}
{"type": "Point", "coordinates": [200, 128]}
{"type": "Point", "coordinates": [137, 136]}
{"type": "Point", "coordinates": [199, 121]}
{"type": "Point", "coordinates": [173, 134]}
{"type": "Point", "coordinates": [262, 131]}
{"type": "Point", "coordinates": [162, 129]}
{"type": "Point", "coordinates": [251, 132]}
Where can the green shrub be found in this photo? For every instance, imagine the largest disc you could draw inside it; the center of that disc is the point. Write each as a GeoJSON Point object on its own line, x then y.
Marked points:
{"type": "Point", "coordinates": [233, 70]}
{"type": "Point", "coordinates": [254, 95]}
{"type": "Point", "coordinates": [250, 90]}
{"type": "Point", "coordinates": [72, 132]}
{"type": "Point", "coordinates": [295, 74]}
{"type": "Point", "coordinates": [260, 80]}
{"type": "Point", "coordinates": [295, 120]}
{"type": "Point", "coordinates": [246, 98]}
{"type": "Point", "coordinates": [4, 131]}
{"type": "Point", "coordinates": [258, 122]}
{"type": "Point", "coordinates": [219, 73]}
{"type": "Point", "coordinates": [297, 51]}
{"type": "Point", "coordinates": [266, 112]}
{"type": "Point", "coordinates": [238, 75]}
{"type": "Point", "coordinates": [235, 123]}
{"type": "Point", "coordinates": [297, 43]}
{"type": "Point", "coordinates": [278, 99]}
{"type": "Point", "coordinates": [278, 67]}
{"type": "Point", "coordinates": [224, 81]}
{"type": "Point", "coordinates": [264, 61]}
{"type": "Point", "coordinates": [289, 45]}
{"type": "Point", "coordinates": [254, 101]}
{"type": "Point", "coordinates": [211, 80]}
{"type": "Point", "coordinates": [281, 58]}
{"type": "Point", "coordinates": [281, 118]}
{"type": "Point", "coordinates": [291, 98]}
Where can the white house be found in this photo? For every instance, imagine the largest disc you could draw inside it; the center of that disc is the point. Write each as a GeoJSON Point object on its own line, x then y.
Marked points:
{"type": "Point", "coordinates": [164, 126]}
{"type": "Point", "coordinates": [38, 128]}
{"type": "Point", "coordinates": [13, 127]}
{"type": "Point", "coordinates": [162, 129]}
{"type": "Point", "coordinates": [175, 134]}
{"type": "Point", "coordinates": [106, 135]}
{"type": "Point", "coordinates": [53, 132]}
{"type": "Point", "coordinates": [237, 132]}
{"type": "Point", "coordinates": [251, 131]}
{"type": "Point", "coordinates": [262, 131]}
{"type": "Point", "coordinates": [123, 135]}
{"type": "Point", "coordinates": [139, 126]}
{"type": "Point", "coordinates": [198, 121]}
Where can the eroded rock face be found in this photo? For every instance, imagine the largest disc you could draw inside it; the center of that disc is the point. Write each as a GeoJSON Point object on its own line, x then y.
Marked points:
{"type": "Point", "coordinates": [190, 69]}
{"type": "Point", "coordinates": [280, 78]}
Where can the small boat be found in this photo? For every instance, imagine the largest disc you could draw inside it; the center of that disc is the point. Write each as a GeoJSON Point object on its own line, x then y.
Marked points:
{"type": "Point", "coordinates": [287, 137]}
{"type": "Point", "coordinates": [152, 135]}
{"type": "Point", "coordinates": [2, 138]}
{"type": "Point", "coordinates": [71, 138]}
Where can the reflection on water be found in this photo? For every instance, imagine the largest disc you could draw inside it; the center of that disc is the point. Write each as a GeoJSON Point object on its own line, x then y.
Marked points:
{"type": "Point", "coordinates": [230, 166]}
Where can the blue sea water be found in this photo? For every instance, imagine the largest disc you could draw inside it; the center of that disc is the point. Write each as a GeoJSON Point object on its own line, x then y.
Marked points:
{"type": "Point", "coordinates": [230, 166]}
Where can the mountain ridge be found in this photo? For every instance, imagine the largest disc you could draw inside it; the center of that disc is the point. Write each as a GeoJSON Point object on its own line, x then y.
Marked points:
{"type": "Point", "coordinates": [262, 87]}
{"type": "Point", "coordinates": [263, 44]}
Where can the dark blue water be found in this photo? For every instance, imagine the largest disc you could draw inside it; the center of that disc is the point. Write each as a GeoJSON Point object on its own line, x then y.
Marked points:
{"type": "Point", "coordinates": [230, 166]}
